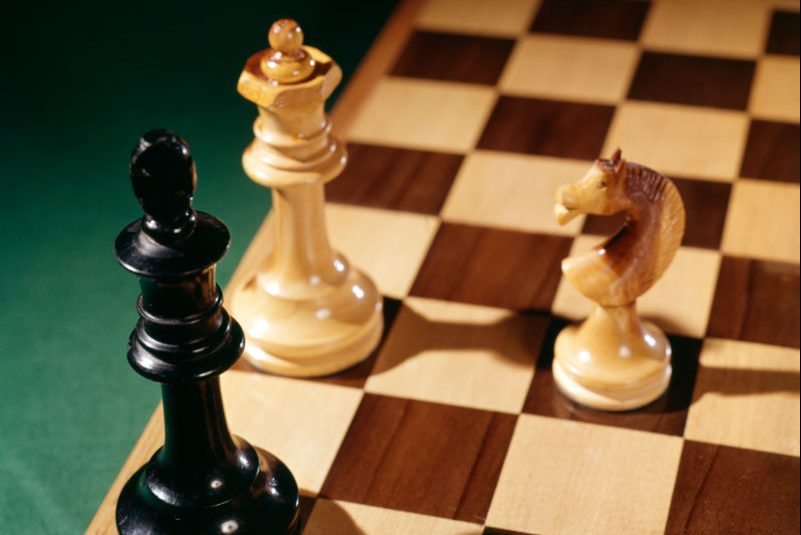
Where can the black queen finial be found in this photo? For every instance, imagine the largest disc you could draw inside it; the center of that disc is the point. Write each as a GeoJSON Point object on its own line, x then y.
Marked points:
{"type": "Point", "coordinates": [164, 180]}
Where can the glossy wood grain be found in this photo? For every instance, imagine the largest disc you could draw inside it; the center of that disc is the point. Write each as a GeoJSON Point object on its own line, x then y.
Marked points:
{"type": "Point", "coordinates": [433, 459]}
{"type": "Point", "coordinates": [455, 58]}
{"type": "Point", "coordinates": [547, 127]}
{"type": "Point", "coordinates": [501, 18]}
{"type": "Point", "coordinates": [393, 178]}
{"type": "Point", "coordinates": [762, 498]}
{"type": "Point", "coordinates": [693, 80]}
{"type": "Point", "coordinates": [764, 221]}
{"type": "Point", "coordinates": [614, 19]}
{"type": "Point", "coordinates": [494, 531]}
{"type": "Point", "coordinates": [566, 478]}
{"type": "Point", "coordinates": [459, 354]}
{"type": "Point", "coordinates": [747, 396]}
{"type": "Point", "coordinates": [784, 33]}
{"type": "Point", "coordinates": [667, 136]}
{"type": "Point", "coordinates": [560, 67]}
{"type": "Point", "coordinates": [345, 518]}
{"type": "Point", "coordinates": [776, 91]}
{"type": "Point", "coordinates": [492, 267]}
{"type": "Point", "coordinates": [725, 28]}
{"type": "Point", "coordinates": [772, 152]}
{"type": "Point", "coordinates": [757, 301]}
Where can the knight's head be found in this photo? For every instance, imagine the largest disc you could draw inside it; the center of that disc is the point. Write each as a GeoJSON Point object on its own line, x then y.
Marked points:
{"type": "Point", "coordinates": [600, 192]}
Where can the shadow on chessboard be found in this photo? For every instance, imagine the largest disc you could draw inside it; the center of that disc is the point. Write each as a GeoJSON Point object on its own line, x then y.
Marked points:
{"type": "Point", "coordinates": [328, 517]}
{"type": "Point", "coordinates": [514, 338]}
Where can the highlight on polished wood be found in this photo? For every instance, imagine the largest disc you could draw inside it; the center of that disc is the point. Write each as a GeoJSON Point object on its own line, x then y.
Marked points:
{"type": "Point", "coordinates": [305, 310]}
{"type": "Point", "coordinates": [613, 360]}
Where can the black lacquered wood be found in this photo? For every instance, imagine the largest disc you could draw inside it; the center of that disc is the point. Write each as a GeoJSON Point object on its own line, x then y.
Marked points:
{"type": "Point", "coordinates": [203, 480]}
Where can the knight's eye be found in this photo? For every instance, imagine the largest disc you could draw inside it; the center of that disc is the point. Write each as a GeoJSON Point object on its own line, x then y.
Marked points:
{"type": "Point", "coordinates": [603, 185]}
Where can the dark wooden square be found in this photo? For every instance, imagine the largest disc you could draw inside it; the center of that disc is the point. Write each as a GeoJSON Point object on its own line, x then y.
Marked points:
{"type": "Point", "coordinates": [394, 178]}
{"type": "Point", "coordinates": [420, 457]}
{"type": "Point", "coordinates": [547, 127]}
{"type": "Point", "coordinates": [494, 531]}
{"type": "Point", "coordinates": [693, 80]}
{"type": "Point", "coordinates": [784, 33]}
{"type": "Point", "coordinates": [667, 415]}
{"type": "Point", "coordinates": [614, 19]}
{"type": "Point", "coordinates": [455, 58]}
{"type": "Point", "coordinates": [757, 301]}
{"type": "Point", "coordinates": [493, 267]}
{"type": "Point", "coordinates": [720, 489]}
{"type": "Point", "coordinates": [772, 152]}
{"type": "Point", "coordinates": [706, 204]}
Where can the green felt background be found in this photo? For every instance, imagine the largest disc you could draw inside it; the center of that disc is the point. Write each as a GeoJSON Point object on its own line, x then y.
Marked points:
{"type": "Point", "coordinates": [80, 83]}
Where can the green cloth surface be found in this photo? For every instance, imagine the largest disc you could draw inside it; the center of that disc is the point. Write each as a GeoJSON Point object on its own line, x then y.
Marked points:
{"type": "Point", "coordinates": [80, 82]}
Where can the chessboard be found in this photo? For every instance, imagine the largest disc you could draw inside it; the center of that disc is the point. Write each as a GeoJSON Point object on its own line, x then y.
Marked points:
{"type": "Point", "coordinates": [462, 122]}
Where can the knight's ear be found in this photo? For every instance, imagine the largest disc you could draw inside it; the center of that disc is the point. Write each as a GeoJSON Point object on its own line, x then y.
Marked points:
{"type": "Point", "coordinates": [619, 163]}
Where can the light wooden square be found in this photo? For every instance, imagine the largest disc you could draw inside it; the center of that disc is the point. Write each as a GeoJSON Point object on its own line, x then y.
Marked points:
{"type": "Point", "coordinates": [734, 28]}
{"type": "Point", "coordinates": [458, 354]}
{"type": "Point", "coordinates": [344, 518]}
{"type": "Point", "coordinates": [512, 191]}
{"type": "Point", "coordinates": [763, 221]}
{"type": "Point", "coordinates": [562, 478]}
{"type": "Point", "coordinates": [302, 423]}
{"type": "Point", "coordinates": [680, 141]}
{"type": "Point", "coordinates": [775, 93]}
{"type": "Point", "coordinates": [501, 18]}
{"type": "Point", "coordinates": [387, 245]}
{"type": "Point", "coordinates": [570, 68]}
{"type": "Point", "coordinates": [421, 114]}
{"type": "Point", "coordinates": [746, 396]}
{"type": "Point", "coordinates": [679, 303]}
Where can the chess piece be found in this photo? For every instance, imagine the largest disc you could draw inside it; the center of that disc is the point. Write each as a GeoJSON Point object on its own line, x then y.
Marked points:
{"type": "Point", "coordinates": [203, 480]}
{"type": "Point", "coordinates": [614, 361]}
{"type": "Point", "coordinates": [305, 310]}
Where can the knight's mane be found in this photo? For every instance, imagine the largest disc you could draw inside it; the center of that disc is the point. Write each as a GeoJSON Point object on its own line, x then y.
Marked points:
{"type": "Point", "coordinates": [662, 197]}
{"type": "Point", "coordinates": [646, 181]}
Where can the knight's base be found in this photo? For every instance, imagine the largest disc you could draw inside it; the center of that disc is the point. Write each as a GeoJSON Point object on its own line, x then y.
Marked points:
{"type": "Point", "coordinates": [609, 400]}
{"type": "Point", "coordinates": [629, 384]}
{"type": "Point", "coordinates": [319, 361]}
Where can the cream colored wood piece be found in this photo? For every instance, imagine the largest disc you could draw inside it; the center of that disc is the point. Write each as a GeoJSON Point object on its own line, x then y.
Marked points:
{"type": "Point", "coordinates": [394, 248]}
{"type": "Point", "coordinates": [305, 310]}
{"type": "Point", "coordinates": [567, 478]}
{"type": "Point", "coordinates": [570, 68]}
{"type": "Point", "coordinates": [746, 396]}
{"type": "Point", "coordinates": [344, 518]}
{"type": "Point", "coordinates": [668, 137]}
{"type": "Point", "coordinates": [424, 114]}
{"type": "Point", "coordinates": [499, 18]}
{"type": "Point", "coordinates": [763, 221]}
{"type": "Point", "coordinates": [513, 191]}
{"type": "Point", "coordinates": [776, 91]}
{"type": "Point", "coordinates": [733, 28]}
{"type": "Point", "coordinates": [613, 360]}
{"type": "Point", "coordinates": [459, 354]}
